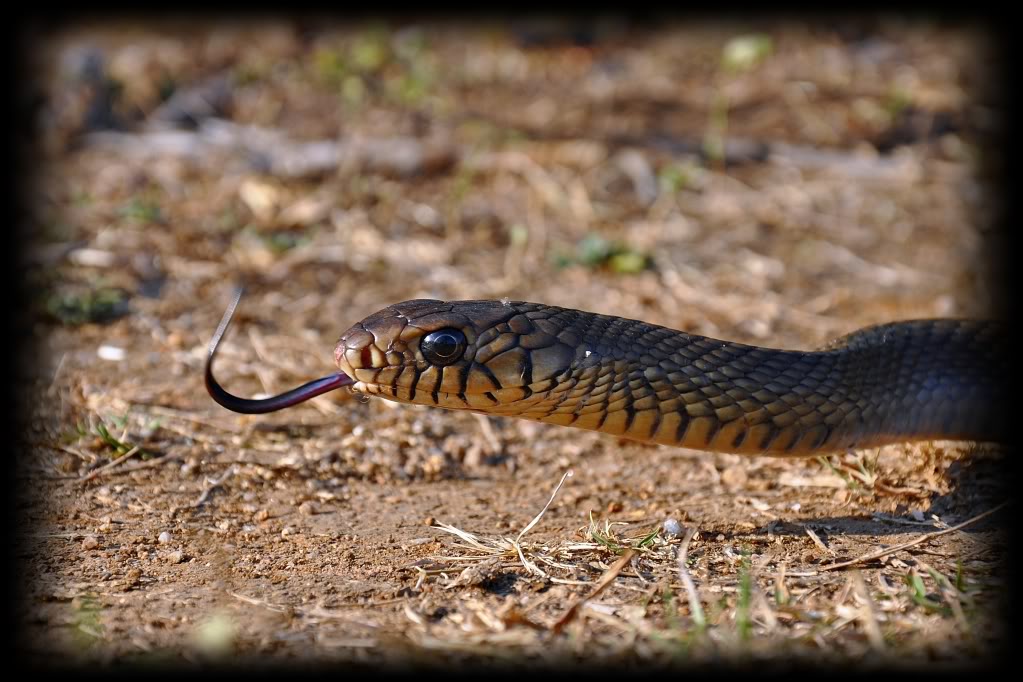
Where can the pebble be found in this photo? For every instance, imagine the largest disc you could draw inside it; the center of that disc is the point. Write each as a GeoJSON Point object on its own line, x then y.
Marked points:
{"type": "Point", "coordinates": [111, 353]}
{"type": "Point", "coordinates": [307, 508]}
{"type": "Point", "coordinates": [90, 542]}
{"type": "Point", "coordinates": [734, 477]}
{"type": "Point", "coordinates": [672, 528]}
{"type": "Point", "coordinates": [131, 579]}
{"type": "Point", "coordinates": [176, 557]}
{"type": "Point", "coordinates": [164, 538]}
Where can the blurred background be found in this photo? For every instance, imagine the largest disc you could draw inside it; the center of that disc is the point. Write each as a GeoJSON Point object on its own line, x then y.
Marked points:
{"type": "Point", "coordinates": [771, 182]}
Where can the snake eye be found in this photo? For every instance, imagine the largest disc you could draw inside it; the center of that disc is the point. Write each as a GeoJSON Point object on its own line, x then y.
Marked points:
{"type": "Point", "coordinates": [443, 347]}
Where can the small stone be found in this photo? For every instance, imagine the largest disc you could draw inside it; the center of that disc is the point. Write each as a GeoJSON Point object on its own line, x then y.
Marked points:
{"type": "Point", "coordinates": [216, 636]}
{"type": "Point", "coordinates": [176, 557]}
{"type": "Point", "coordinates": [90, 542]}
{"type": "Point", "coordinates": [734, 477]}
{"type": "Point", "coordinates": [307, 508]}
{"type": "Point", "coordinates": [288, 530]}
{"type": "Point", "coordinates": [69, 464]}
{"type": "Point", "coordinates": [429, 521]}
{"type": "Point", "coordinates": [261, 515]}
{"type": "Point", "coordinates": [478, 573]}
{"type": "Point", "coordinates": [672, 528]}
{"type": "Point", "coordinates": [613, 507]}
{"type": "Point", "coordinates": [131, 579]}
{"type": "Point", "coordinates": [164, 538]}
{"type": "Point", "coordinates": [111, 353]}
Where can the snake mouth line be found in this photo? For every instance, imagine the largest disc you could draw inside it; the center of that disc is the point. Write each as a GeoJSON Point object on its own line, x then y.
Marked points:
{"type": "Point", "coordinates": [478, 402]}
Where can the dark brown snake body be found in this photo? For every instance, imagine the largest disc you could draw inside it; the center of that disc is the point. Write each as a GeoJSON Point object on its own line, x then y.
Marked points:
{"type": "Point", "coordinates": [904, 381]}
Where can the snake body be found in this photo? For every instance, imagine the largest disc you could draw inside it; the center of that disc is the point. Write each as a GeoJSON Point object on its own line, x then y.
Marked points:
{"type": "Point", "coordinates": [904, 381]}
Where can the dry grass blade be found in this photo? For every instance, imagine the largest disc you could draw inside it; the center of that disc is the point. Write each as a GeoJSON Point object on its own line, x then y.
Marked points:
{"type": "Point", "coordinates": [111, 465]}
{"type": "Point", "coordinates": [687, 581]}
{"type": "Point", "coordinates": [211, 485]}
{"type": "Point", "coordinates": [609, 575]}
{"type": "Point", "coordinates": [537, 518]}
{"type": "Point", "coordinates": [253, 601]}
{"type": "Point", "coordinates": [158, 461]}
{"type": "Point", "coordinates": [868, 613]}
{"type": "Point", "coordinates": [494, 546]}
{"type": "Point", "coordinates": [530, 566]}
{"type": "Point", "coordinates": [497, 546]}
{"type": "Point", "coordinates": [491, 439]}
{"type": "Point", "coordinates": [764, 608]}
{"type": "Point", "coordinates": [817, 541]}
{"type": "Point", "coordinates": [164, 411]}
{"type": "Point", "coordinates": [912, 543]}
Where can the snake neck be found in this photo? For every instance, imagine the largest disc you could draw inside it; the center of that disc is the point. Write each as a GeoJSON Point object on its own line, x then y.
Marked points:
{"type": "Point", "coordinates": [891, 383]}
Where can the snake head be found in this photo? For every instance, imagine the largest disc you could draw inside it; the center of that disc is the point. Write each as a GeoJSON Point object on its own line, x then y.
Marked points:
{"type": "Point", "coordinates": [470, 355]}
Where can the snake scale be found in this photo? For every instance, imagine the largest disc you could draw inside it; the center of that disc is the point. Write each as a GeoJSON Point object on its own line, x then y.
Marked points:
{"type": "Point", "coordinates": [896, 382]}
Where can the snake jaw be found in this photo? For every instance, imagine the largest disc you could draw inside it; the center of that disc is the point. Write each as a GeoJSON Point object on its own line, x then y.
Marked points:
{"type": "Point", "coordinates": [503, 350]}
{"type": "Point", "coordinates": [509, 356]}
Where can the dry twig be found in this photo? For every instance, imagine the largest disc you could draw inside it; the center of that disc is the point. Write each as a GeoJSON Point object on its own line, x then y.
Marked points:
{"type": "Point", "coordinates": [912, 543]}
{"type": "Point", "coordinates": [111, 465]}
{"type": "Point", "coordinates": [609, 575]}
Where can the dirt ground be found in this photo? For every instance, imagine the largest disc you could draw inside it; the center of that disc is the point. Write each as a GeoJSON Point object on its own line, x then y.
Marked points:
{"type": "Point", "coordinates": [777, 184]}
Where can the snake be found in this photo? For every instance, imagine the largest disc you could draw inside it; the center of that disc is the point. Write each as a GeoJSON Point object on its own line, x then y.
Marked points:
{"type": "Point", "coordinates": [915, 380]}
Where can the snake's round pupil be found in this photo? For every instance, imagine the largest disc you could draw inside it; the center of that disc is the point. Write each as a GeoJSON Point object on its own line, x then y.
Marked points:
{"type": "Point", "coordinates": [443, 347]}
